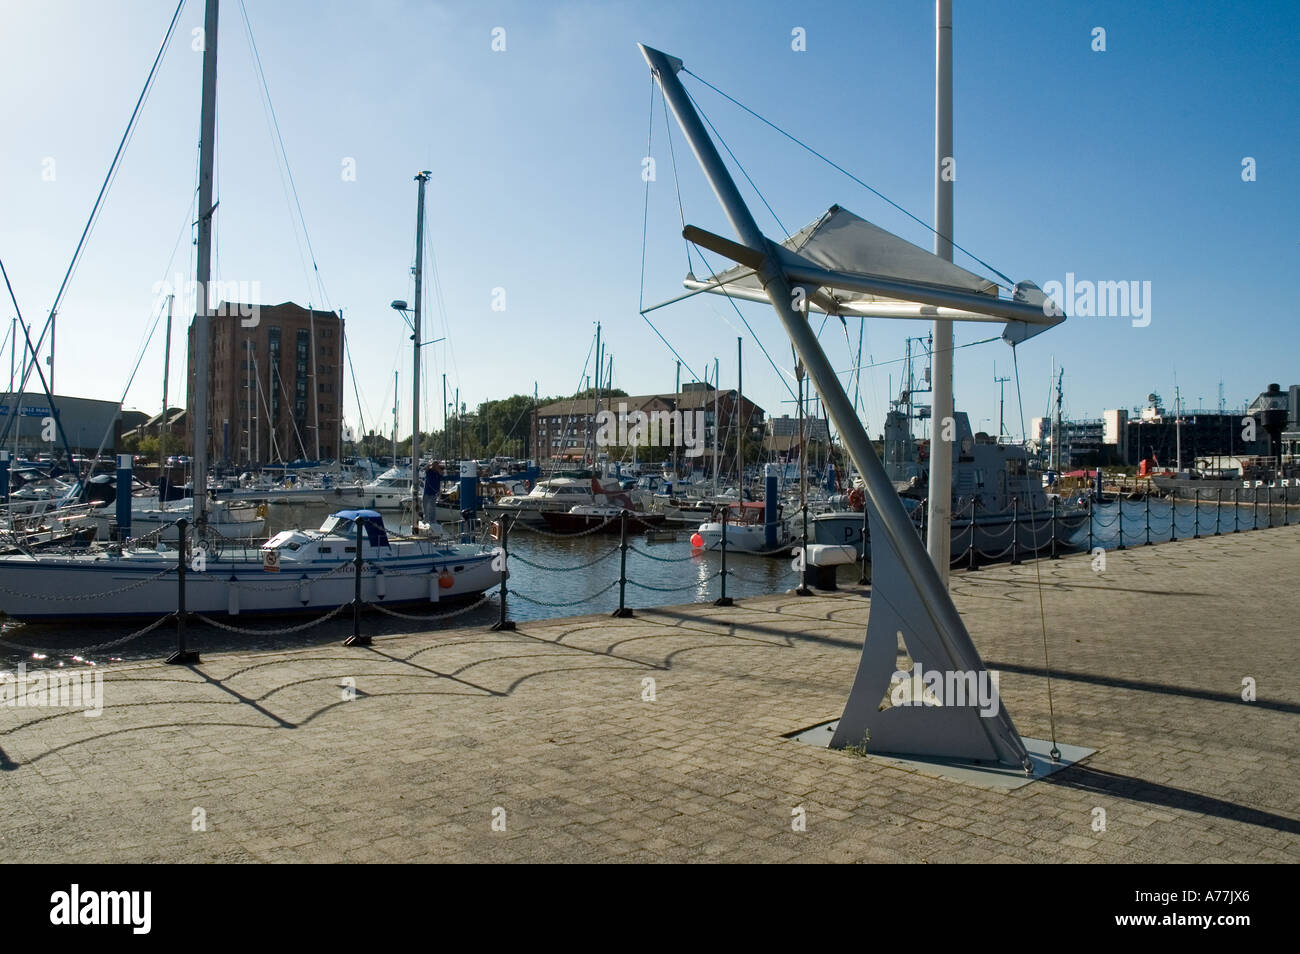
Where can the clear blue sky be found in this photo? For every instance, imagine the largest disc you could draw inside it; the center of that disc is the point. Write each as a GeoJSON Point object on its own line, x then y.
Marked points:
{"type": "Point", "coordinates": [1122, 165]}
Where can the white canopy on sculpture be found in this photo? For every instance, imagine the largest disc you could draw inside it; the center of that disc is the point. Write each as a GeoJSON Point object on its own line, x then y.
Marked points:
{"type": "Point", "coordinates": [846, 246]}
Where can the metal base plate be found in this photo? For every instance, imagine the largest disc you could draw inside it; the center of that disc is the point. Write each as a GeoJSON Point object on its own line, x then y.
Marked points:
{"type": "Point", "coordinates": [984, 774]}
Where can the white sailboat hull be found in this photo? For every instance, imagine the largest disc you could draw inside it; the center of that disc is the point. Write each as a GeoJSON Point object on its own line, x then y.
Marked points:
{"type": "Point", "coordinates": [144, 584]}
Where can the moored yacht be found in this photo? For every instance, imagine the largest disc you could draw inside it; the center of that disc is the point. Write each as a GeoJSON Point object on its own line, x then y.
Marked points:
{"type": "Point", "coordinates": [296, 571]}
{"type": "Point", "coordinates": [556, 495]}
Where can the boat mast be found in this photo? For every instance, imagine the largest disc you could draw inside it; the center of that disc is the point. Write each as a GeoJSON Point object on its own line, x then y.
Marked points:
{"type": "Point", "coordinates": [739, 415]}
{"type": "Point", "coordinates": [939, 532]}
{"type": "Point", "coordinates": [203, 266]}
{"type": "Point", "coordinates": [1178, 430]}
{"type": "Point", "coordinates": [803, 473]}
{"type": "Point", "coordinates": [257, 417]}
{"type": "Point", "coordinates": [677, 402]}
{"type": "Point", "coordinates": [1056, 424]}
{"type": "Point", "coordinates": [716, 426]}
{"type": "Point", "coordinates": [422, 178]}
{"type": "Point", "coordinates": [600, 367]}
{"type": "Point", "coordinates": [167, 357]}
{"type": "Point", "coordinates": [395, 373]}
{"type": "Point", "coordinates": [252, 396]}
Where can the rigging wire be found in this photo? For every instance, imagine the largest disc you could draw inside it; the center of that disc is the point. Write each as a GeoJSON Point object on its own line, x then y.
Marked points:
{"type": "Point", "coordinates": [798, 142]}
{"type": "Point", "coordinates": [752, 185]}
{"type": "Point", "coordinates": [931, 353]}
{"type": "Point", "coordinates": [645, 205]}
{"type": "Point", "coordinates": [361, 417]}
{"type": "Point", "coordinates": [645, 224]}
{"type": "Point", "coordinates": [265, 91]}
{"type": "Point", "coordinates": [752, 333]}
{"type": "Point", "coordinates": [104, 189]}
{"type": "Point", "coordinates": [1020, 397]}
{"type": "Point", "coordinates": [672, 153]}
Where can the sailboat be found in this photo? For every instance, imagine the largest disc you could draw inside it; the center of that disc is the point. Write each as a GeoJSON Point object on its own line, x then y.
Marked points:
{"type": "Point", "coordinates": [293, 572]}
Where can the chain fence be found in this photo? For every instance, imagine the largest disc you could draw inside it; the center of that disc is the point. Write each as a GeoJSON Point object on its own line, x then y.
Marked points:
{"type": "Point", "coordinates": [980, 536]}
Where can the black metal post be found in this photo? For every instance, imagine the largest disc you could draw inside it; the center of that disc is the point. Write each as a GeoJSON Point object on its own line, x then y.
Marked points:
{"type": "Point", "coordinates": [1196, 515]}
{"type": "Point", "coordinates": [865, 579]}
{"type": "Point", "coordinates": [1120, 501]}
{"type": "Point", "coordinates": [1092, 510]}
{"type": "Point", "coordinates": [503, 624]}
{"type": "Point", "coordinates": [623, 612]}
{"type": "Point", "coordinates": [1236, 494]}
{"type": "Point", "coordinates": [1254, 509]}
{"type": "Point", "coordinates": [1055, 555]}
{"type": "Point", "coordinates": [971, 566]}
{"type": "Point", "coordinates": [1015, 530]}
{"type": "Point", "coordinates": [1268, 513]}
{"type": "Point", "coordinates": [1147, 500]}
{"type": "Point", "coordinates": [357, 639]}
{"type": "Point", "coordinates": [182, 656]}
{"type": "Point", "coordinates": [724, 599]}
{"type": "Point", "coordinates": [1218, 508]}
{"type": "Point", "coordinates": [1173, 517]}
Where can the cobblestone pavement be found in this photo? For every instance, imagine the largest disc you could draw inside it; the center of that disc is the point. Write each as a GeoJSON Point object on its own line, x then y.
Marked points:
{"type": "Point", "coordinates": [549, 730]}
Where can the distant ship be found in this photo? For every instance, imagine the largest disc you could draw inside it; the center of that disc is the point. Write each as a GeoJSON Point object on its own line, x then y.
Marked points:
{"type": "Point", "coordinates": [991, 480]}
{"type": "Point", "coordinates": [1252, 480]}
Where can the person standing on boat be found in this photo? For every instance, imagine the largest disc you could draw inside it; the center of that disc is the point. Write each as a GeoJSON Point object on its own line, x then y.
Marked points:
{"type": "Point", "coordinates": [432, 487]}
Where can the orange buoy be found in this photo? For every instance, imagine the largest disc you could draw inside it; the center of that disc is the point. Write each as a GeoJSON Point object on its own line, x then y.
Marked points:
{"type": "Point", "coordinates": [446, 581]}
{"type": "Point", "coordinates": [697, 541]}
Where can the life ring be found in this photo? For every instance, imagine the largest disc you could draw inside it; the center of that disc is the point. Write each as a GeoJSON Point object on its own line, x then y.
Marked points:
{"type": "Point", "coordinates": [857, 498]}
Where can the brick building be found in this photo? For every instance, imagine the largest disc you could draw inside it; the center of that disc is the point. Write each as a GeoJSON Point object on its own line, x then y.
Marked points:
{"type": "Point", "coordinates": [566, 430]}
{"type": "Point", "coordinates": [276, 388]}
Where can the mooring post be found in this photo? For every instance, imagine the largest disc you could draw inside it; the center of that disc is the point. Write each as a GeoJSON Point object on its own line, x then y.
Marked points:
{"type": "Point", "coordinates": [724, 599]}
{"type": "Point", "coordinates": [1218, 508]}
{"type": "Point", "coordinates": [502, 624]}
{"type": "Point", "coordinates": [1196, 515]}
{"type": "Point", "coordinates": [1015, 530]}
{"type": "Point", "coordinates": [1146, 499]}
{"type": "Point", "coordinates": [1173, 517]}
{"type": "Point", "coordinates": [1254, 509]}
{"type": "Point", "coordinates": [865, 579]}
{"type": "Point", "coordinates": [1091, 511]}
{"type": "Point", "coordinates": [356, 639]}
{"type": "Point", "coordinates": [1120, 501]}
{"type": "Point", "coordinates": [182, 656]}
{"type": "Point", "coordinates": [622, 612]}
{"type": "Point", "coordinates": [1236, 495]}
{"type": "Point", "coordinates": [1055, 556]}
{"type": "Point", "coordinates": [970, 544]}
{"type": "Point", "coordinates": [1268, 504]}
